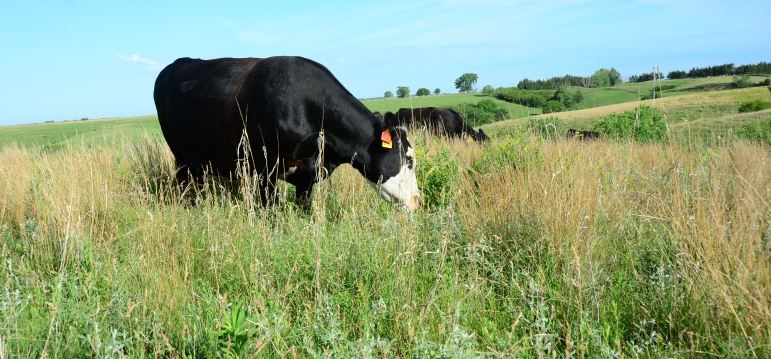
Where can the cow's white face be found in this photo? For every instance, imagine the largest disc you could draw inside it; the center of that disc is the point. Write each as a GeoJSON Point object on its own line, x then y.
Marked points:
{"type": "Point", "coordinates": [402, 188]}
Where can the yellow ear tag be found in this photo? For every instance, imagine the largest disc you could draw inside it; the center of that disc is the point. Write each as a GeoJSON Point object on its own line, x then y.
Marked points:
{"type": "Point", "coordinates": [385, 139]}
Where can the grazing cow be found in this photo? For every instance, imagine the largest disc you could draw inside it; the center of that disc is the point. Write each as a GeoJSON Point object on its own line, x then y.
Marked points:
{"type": "Point", "coordinates": [277, 113]}
{"type": "Point", "coordinates": [441, 121]}
{"type": "Point", "coordinates": [583, 135]}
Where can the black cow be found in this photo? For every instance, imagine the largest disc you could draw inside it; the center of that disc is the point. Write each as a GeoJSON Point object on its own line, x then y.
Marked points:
{"type": "Point", "coordinates": [441, 121]}
{"type": "Point", "coordinates": [583, 135]}
{"type": "Point", "coordinates": [284, 108]}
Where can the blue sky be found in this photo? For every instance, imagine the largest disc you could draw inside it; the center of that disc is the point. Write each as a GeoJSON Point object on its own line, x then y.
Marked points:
{"type": "Point", "coordinates": [69, 59]}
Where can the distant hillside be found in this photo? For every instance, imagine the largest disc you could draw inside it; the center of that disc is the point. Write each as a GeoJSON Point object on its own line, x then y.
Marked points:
{"type": "Point", "coordinates": [90, 132]}
{"type": "Point", "coordinates": [700, 113]}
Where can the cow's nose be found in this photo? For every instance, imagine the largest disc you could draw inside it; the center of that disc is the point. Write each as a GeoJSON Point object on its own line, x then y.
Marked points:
{"type": "Point", "coordinates": [413, 203]}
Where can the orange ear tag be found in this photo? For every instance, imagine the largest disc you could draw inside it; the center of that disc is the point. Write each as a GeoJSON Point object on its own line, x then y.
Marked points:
{"type": "Point", "coordinates": [385, 139]}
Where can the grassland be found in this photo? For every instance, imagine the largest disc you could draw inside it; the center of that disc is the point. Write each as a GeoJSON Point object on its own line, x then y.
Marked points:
{"type": "Point", "coordinates": [536, 249]}
{"type": "Point", "coordinates": [528, 248]}
{"type": "Point", "coordinates": [89, 132]}
{"type": "Point", "coordinates": [634, 91]}
{"type": "Point", "coordinates": [688, 114]}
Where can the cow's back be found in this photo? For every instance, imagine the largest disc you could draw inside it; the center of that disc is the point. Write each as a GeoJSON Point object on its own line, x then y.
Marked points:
{"type": "Point", "coordinates": [198, 109]}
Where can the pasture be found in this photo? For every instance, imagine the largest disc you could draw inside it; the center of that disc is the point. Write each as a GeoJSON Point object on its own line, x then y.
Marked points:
{"type": "Point", "coordinates": [635, 91]}
{"type": "Point", "coordinates": [700, 116]}
{"type": "Point", "coordinates": [528, 248]}
{"type": "Point", "coordinates": [88, 132]}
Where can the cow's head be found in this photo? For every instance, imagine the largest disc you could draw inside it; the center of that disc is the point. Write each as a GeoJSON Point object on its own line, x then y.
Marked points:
{"type": "Point", "coordinates": [482, 135]}
{"type": "Point", "coordinates": [392, 168]}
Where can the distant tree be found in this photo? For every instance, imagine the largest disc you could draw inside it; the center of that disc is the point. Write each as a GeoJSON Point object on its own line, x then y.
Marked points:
{"type": "Point", "coordinates": [641, 77]}
{"type": "Point", "coordinates": [466, 82]}
{"type": "Point", "coordinates": [614, 77]}
{"type": "Point", "coordinates": [677, 75]}
{"type": "Point", "coordinates": [437, 91]}
{"type": "Point", "coordinates": [422, 92]}
{"type": "Point", "coordinates": [601, 78]}
{"type": "Point", "coordinates": [562, 96]}
{"type": "Point", "coordinates": [403, 91]}
{"type": "Point", "coordinates": [567, 98]}
{"type": "Point", "coordinates": [388, 94]}
{"type": "Point", "coordinates": [488, 90]}
{"type": "Point", "coordinates": [578, 96]}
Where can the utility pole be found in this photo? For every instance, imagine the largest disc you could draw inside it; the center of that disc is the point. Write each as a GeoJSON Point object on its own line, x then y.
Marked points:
{"type": "Point", "coordinates": [654, 84]}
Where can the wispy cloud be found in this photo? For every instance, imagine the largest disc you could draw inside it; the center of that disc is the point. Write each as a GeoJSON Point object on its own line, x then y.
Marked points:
{"type": "Point", "coordinates": [149, 63]}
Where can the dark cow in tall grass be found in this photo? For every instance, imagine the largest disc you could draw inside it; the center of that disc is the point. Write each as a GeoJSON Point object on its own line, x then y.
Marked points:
{"type": "Point", "coordinates": [275, 114]}
{"type": "Point", "coordinates": [441, 121]}
{"type": "Point", "coordinates": [583, 134]}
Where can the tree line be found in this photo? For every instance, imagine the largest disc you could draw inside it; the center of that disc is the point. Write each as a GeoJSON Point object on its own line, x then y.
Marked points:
{"type": "Point", "coordinates": [761, 68]}
{"type": "Point", "coordinates": [601, 78]}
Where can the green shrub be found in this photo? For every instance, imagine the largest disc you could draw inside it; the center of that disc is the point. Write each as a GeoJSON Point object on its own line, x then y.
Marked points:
{"type": "Point", "coordinates": [755, 105]}
{"type": "Point", "coordinates": [482, 112]}
{"type": "Point", "coordinates": [553, 106]}
{"type": "Point", "coordinates": [644, 124]}
{"type": "Point", "coordinates": [530, 98]}
{"type": "Point", "coordinates": [566, 98]}
{"type": "Point", "coordinates": [756, 131]}
{"type": "Point", "coordinates": [437, 173]}
{"type": "Point", "coordinates": [742, 81]}
{"type": "Point", "coordinates": [550, 127]}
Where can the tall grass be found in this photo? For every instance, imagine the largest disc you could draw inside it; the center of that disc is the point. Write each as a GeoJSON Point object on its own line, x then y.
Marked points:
{"type": "Point", "coordinates": [535, 249]}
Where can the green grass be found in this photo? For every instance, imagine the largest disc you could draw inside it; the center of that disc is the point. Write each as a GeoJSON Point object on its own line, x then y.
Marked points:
{"type": "Point", "coordinates": [596, 97]}
{"type": "Point", "coordinates": [699, 116]}
{"type": "Point", "coordinates": [532, 249]}
{"type": "Point", "coordinates": [89, 132]}
{"type": "Point", "coordinates": [634, 91]}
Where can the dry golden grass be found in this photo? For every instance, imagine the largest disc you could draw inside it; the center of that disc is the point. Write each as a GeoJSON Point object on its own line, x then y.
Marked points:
{"type": "Point", "coordinates": [570, 249]}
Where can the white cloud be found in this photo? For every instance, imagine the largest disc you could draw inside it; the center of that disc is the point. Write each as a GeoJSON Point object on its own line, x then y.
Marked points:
{"type": "Point", "coordinates": [151, 64]}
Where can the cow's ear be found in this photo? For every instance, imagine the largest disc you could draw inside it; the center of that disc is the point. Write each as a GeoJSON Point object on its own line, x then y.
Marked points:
{"type": "Point", "coordinates": [389, 119]}
{"type": "Point", "coordinates": [386, 141]}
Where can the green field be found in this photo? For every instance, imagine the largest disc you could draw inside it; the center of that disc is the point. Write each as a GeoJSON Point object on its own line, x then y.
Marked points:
{"type": "Point", "coordinates": [634, 91]}
{"type": "Point", "coordinates": [529, 248]}
{"type": "Point", "coordinates": [88, 132]}
{"type": "Point", "coordinates": [695, 115]}
{"type": "Point", "coordinates": [526, 247]}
